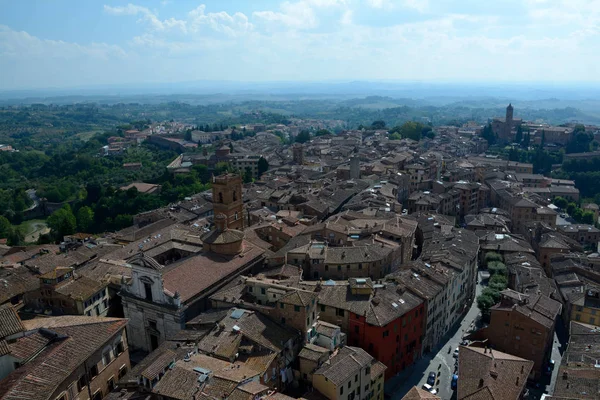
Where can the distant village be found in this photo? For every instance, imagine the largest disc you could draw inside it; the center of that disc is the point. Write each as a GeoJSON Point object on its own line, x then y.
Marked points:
{"type": "Point", "coordinates": [357, 267]}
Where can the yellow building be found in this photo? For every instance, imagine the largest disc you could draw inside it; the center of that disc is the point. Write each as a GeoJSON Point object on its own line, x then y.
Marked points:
{"type": "Point", "coordinates": [586, 309]}
{"type": "Point", "coordinates": [350, 373]}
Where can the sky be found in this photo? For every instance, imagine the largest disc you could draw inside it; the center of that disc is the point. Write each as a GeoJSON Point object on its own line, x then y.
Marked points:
{"type": "Point", "coordinates": [77, 43]}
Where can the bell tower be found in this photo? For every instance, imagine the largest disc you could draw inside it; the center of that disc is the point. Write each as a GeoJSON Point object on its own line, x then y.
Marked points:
{"type": "Point", "coordinates": [508, 122]}
{"type": "Point", "coordinates": [227, 199]}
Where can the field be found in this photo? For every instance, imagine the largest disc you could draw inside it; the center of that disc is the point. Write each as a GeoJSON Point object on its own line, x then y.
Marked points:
{"type": "Point", "coordinates": [33, 228]}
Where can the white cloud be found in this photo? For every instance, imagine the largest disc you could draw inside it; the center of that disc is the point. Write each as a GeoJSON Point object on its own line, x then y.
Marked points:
{"type": "Point", "coordinates": [232, 25]}
{"type": "Point", "coordinates": [299, 15]}
{"type": "Point", "coordinates": [347, 17]}
{"type": "Point", "coordinates": [147, 16]}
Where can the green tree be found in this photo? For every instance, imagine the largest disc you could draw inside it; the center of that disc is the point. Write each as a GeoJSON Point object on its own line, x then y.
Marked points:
{"type": "Point", "coordinates": [488, 134]}
{"type": "Point", "coordinates": [247, 176]}
{"type": "Point", "coordinates": [519, 135]}
{"type": "Point", "coordinates": [16, 237]}
{"type": "Point", "coordinates": [543, 141]}
{"type": "Point", "coordinates": [188, 135]}
{"type": "Point", "coordinates": [62, 222]}
{"type": "Point", "coordinates": [263, 166]}
{"type": "Point", "coordinates": [5, 227]}
{"type": "Point", "coordinates": [484, 303]}
{"type": "Point", "coordinates": [85, 218]}
{"type": "Point", "coordinates": [496, 267]}
{"type": "Point", "coordinates": [322, 132]}
{"type": "Point", "coordinates": [379, 124]}
{"type": "Point", "coordinates": [571, 207]}
{"type": "Point", "coordinates": [492, 256]}
{"type": "Point", "coordinates": [588, 218]}
{"type": "Point", "coordinates": [303, 136]}
{"type": "Point", "coordinates": [560, 202]}
{"type": "Point", "coordinates": [578, 215]}
{"type": "Point", "coordinates": [526, 140]}
{"type": "Point", "coordinates": [498, 282]}
{"type": "Point", "coordinates": [395, 136]}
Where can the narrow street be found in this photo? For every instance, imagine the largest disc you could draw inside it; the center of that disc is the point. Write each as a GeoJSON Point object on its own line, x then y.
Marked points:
{"type": "Point", "coordinates": [440, 361]}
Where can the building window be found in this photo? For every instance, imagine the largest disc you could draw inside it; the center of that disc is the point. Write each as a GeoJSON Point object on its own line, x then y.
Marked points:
{"type": "Point", "coordinates": [283, 320]}
{"type": "Point", "coordinates": [593, 320]}
{"type": "Point", "coordinates": [356, 328]}
{"type": "Point", "coordinates": [152, 325]}
{"type": "Point", "coordinates": [234, 196]}
{"type": "Point", "coordinates": [148, 291]}
{"type": "Point", "coordinates": [349, 383]}
{"type": "Point", "coordinates": [577, 317]}
{"type": "Point", "coordinates": [322, 308]}
{"type": "Point", "coordinates": [81, 382]}
{"type": "Point", "coordinates": [341, 390]}
{"type": "Point", "coordinates": [235, 216]}
{"type": "Point", "coordinates": [355, 378]}
{"type": "Point", "coordinates": [281, 305]}
{"type": "Point", "coordinates": [220, 197]}
{"type": "Point", "coordinates": [106, 358]}
{"type": "Point", "coordinates": [119, 349]}
{"type": "Point", "coordinates": [262, 290]}
{"type": "Point", "coordinates": [297, 308]}
{"type": "Point", "coordinates": [111, 383]}
{"type": "Point", "coordinates": [250, 289]}
{"type": "Point", "coordinates": [93, 371]}
{"type": "Point", "coordinates": [339, 312]}
{"type": "Point", "coordinates": [339, 267]}
{"type": "Point", "coordinates": [327, 268]}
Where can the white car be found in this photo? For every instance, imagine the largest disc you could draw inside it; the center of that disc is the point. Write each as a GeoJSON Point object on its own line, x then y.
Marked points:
{"type": "Point", "coordinates": [455, 354]}
{"type": "Point", "coordinates": [429, 388]}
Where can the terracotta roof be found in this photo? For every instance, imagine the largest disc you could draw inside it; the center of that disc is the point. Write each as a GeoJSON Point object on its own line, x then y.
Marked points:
{"type": "Point", "coordinates": [344, 364]}
{"type": "Point", "coordinates": [27, 346]}
{"type": "Point", "coordinates": [178, 383]}
{"type": "Point", "coordinates": [312, 352]}
{"type": "Point", "coordinates": [39, 378]}
{"type": "Point", "coordinates": [326, 329]}
{"type": "Point", "coordinates": [416, 393]}
{"type": "Point", "coordinates": [81, 288]}
{"type": "Point", "coordinates": [10, 323]}
{"type": "Point", "coordinates": [490, 374]}
{"type": "Point", "coordinates": [299, 297]}
{"type": "Point", "coordinates": [193, 275]}
{"type": "Point", "coordinates": [59, 271]}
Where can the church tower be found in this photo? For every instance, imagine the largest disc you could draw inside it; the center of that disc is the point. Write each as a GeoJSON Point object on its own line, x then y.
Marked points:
{"type": "Point", "coordinates": [508, 124]}
{"type": "Point", "coordinates": [227, 199]}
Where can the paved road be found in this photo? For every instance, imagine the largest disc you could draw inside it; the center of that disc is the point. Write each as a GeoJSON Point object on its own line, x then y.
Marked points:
{"type": "Point", "coordinates": [439, 361]}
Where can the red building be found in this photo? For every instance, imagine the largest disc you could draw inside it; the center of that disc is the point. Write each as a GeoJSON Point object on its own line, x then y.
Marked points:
{"type": "Point", "coordinates": [390, 327]}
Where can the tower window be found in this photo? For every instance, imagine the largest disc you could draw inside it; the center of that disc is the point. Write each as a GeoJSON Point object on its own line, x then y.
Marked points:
{"type": "Point", "coordinates": [235, 217]}
{"type": "Point", "coordinates": [220, 197]}
{"type": "Point", "coordinates": [148, 291]}
{"type": "Point", "coordinates": [234, 195]}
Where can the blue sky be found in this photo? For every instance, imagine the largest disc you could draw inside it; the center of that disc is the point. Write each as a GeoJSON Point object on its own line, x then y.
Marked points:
{"type": "Point", "coordinates": [74, 43]}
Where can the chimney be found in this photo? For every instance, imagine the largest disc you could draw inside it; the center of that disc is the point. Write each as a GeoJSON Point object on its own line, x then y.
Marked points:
{"type": "Point", "coordinates": [221, 222]}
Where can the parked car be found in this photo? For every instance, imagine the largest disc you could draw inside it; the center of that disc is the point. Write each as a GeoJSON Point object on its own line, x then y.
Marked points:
{"type": "Point", "coordinates": [454, 382]}
{"type": "Point", "coordinates": [429, 388]}
{"type": "Point", "coordinates": [455, 354]}
{"type": "Point", "coordinates": [431, 378]}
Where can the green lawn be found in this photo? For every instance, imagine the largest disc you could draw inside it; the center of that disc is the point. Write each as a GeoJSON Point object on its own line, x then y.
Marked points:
{"type": "Point", "coordinates": [32, 229]}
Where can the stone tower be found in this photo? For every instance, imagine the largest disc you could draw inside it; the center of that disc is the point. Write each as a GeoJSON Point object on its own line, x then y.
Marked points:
{"type": "Point", "coordinates": [354, 167]}
{"type": "Point", "coordinates": [298, 154]}
{"type": "Point", "coordinates": [227, 199]}
{"type": "Point", "coordinates": [508, 124]}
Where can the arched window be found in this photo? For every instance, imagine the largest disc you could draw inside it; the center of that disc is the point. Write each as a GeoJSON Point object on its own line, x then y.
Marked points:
{"type": "Point", "coordinates": [234, 195]}
{"type": "Point", "coordinates": [220, 197]}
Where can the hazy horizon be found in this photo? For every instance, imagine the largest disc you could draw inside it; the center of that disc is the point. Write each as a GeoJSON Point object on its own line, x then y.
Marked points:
{"type": "Point", "coordinates": [72, 44]}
